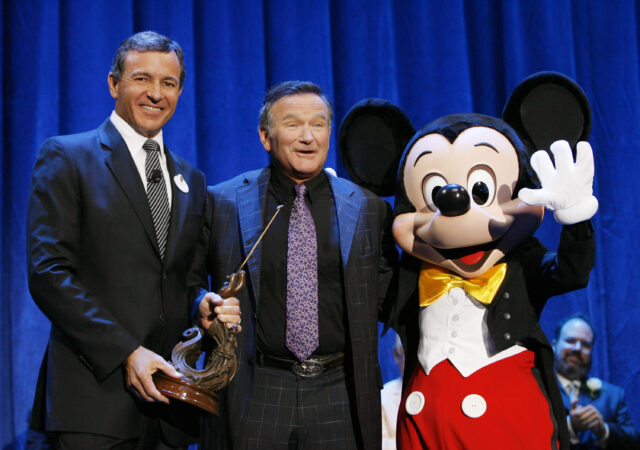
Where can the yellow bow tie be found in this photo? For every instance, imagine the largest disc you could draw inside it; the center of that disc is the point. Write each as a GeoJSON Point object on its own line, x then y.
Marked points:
{"type": "Point", "coordinates": [435, 282]}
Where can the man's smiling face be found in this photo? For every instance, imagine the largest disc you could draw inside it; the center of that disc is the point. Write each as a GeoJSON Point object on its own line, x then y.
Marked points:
{"type": "Point", "coordinates": [298, 136]}
{"type": "Point", "coordinates": [573, 349]}
{"type": "Point", "coordinates": [147, 94]}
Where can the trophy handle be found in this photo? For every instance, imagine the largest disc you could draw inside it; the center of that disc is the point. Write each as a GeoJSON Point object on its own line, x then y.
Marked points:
{"type": "Point", "coordinates": [233, 285]}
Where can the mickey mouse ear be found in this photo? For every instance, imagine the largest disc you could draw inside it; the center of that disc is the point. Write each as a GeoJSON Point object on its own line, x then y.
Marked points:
{"type": "Point", "coordinates": [371, 141]}
{"type": "Point", "coordinates": [546, 107]}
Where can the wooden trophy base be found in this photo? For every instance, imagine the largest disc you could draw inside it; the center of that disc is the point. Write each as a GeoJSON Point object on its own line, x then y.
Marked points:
{"type": "Point", "coordinates": [186, 391]}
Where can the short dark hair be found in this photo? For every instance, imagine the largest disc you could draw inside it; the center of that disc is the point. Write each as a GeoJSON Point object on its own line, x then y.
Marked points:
{"type": "Point", "coordinates": [285, 89]}
{"type": "Point", "coordinates": [579, 316]}
{"type": "Point", "coordinates": [146, 41]}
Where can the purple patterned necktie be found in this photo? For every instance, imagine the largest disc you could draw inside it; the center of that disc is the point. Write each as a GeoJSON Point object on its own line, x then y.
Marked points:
{"type": "Point", "coordinates": [302, 279]}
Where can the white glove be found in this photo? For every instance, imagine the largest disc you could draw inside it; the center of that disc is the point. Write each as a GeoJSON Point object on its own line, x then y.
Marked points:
{"type": "Point", "coordinates": [567, 188]}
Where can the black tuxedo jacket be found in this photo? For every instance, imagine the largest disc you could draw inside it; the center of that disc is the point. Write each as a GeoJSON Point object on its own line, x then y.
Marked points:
{"type": "Point", "coordinates": [534, 274]}
{"type": "Point", "coordinates": [95, 270]}
{"type": "Point", "coordinates": [368, 254]}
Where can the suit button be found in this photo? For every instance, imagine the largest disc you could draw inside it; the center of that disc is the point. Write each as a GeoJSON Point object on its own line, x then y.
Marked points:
{"type": "Point", "coordinates": [506, 295]}
{"type": "Point", "coordinates": [162, 317]}
{"type": "Point", "coordinates": [474, 406]}
{"type": "Point", "coordinates": [507, 316]}
{"type": "Point", "coordinates": [507, 336]}
{"type": "Point", "coordinates": [164, 275]}
{"type": "Point", "coordinates": [414, 403]}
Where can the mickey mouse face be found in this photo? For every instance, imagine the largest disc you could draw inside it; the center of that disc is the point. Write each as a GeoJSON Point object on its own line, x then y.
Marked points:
{"type": "Point", "coordinates": [457, 180]}
{"type": "Point", "coordinates": [462, 194]}
{"type": "Point", "coordinates": [485, 171]}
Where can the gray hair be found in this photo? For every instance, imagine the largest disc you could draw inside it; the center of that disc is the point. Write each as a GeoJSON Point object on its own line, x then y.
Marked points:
{"type": "Point", "coordinates": [146, 41]}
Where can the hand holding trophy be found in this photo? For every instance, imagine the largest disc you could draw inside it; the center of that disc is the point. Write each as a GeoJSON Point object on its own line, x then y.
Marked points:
{"type": "Point", "coordinates": [197, 386]}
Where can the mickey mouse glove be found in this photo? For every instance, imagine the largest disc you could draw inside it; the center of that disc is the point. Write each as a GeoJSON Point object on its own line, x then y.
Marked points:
{"type": "Point", "coordinates": [567, 188]}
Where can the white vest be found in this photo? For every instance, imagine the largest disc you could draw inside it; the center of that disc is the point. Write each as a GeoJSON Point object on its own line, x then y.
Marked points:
{"type": "Point", "coordinates": [454, 327]}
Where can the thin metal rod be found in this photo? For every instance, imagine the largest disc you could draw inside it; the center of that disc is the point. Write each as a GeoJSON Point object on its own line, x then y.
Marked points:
{"type": "Point", "coordinates": [259, 239]}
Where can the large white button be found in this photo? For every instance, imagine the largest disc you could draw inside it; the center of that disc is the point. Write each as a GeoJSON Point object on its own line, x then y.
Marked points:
{"type": "Point", "coordinates": [414, 403]}
{"type": "Point", "coordinates": [474, 406]}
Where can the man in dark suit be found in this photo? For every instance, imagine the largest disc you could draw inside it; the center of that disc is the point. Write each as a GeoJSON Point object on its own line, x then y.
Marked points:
{"type": "Point", "coordinates": [281, 396]}
{"type": "Point", "coordinates": [597, 413]}
{"type": "Point", "coordinates": [113, 222]}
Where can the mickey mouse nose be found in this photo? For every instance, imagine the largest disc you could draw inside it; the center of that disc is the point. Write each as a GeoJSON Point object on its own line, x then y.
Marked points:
{"type": "Point", "coordinates": [453, 200]}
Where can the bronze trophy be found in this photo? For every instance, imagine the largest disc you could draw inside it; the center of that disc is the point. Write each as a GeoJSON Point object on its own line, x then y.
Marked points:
{"type": "Point", "coordinates": [197, 386]}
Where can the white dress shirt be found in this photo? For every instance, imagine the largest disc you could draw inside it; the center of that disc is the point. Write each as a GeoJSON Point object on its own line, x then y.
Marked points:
{"type": "Point", "coordinates": [134, 142]}
{"type": "Point", "coordinates": [571, 387]}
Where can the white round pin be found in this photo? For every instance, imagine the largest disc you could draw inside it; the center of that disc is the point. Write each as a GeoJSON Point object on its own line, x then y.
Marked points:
{"type": "Point", "coordinates": [414, 403]}
{"type": "Point", "coordinates": [181, 183]}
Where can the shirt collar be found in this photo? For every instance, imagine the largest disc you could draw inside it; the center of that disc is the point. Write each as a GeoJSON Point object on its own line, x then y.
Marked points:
{"type": "Point", "coordinates": [133, 139]}
{"type": "Point", "coordinates": [283, 187]}
{"type": "Point", "coordinates": [565, 382]}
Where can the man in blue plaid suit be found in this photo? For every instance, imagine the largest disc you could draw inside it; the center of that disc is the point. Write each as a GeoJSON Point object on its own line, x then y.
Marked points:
{"type": "Point", "coordinates": [331, 399]}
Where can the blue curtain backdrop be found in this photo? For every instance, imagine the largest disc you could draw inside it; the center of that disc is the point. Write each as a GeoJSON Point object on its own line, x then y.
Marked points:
{"type": "Point", "coordinates": [430, 57]}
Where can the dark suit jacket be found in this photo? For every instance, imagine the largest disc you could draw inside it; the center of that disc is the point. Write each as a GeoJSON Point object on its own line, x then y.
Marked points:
{"type": "Point", "coordinates": [95, 270]}
{"type": "Point", "coordinates": [367, 253]}
{"type": "Point", "coordinates": [611, 403]}
{"type": "Point", "coordinates": [533, 275]}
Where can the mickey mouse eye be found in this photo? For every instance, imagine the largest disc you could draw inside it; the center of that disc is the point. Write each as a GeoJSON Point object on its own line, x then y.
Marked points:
{"type": "Point", "coordinates": [482, 185]}
{"type": "Point", "coordinates": [431, 184]}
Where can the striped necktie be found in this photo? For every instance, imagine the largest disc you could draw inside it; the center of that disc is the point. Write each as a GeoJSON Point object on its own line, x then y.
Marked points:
{"type": "Point", "coordinates": [157, 193]}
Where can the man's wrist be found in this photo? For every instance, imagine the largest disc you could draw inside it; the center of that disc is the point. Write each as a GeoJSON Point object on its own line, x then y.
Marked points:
{"type": "Point", "coordinates": [572, 434]}
{"type": "Point", "coordinates": [602, 443]}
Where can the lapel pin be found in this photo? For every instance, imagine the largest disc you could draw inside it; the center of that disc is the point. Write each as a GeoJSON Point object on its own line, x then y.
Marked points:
{"type": "Point", "coordinates": [331, 171]}
{"type": "Point", "coordinates": [182, 185]}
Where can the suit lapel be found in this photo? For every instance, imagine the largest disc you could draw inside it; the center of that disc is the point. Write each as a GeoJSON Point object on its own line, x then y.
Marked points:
{"type": "Point", "coordinates": [124, 170]}
{"type": "Point", "coordinates": [251, 198]}
{"type": "Point", "coordinates": [179, 201]}
{"type": "Point", "coordinates": [347, 210]}
{"type": "Point", "coordinates": [566, 401]}
{"type": "Point", "coordinates": [584, 397]}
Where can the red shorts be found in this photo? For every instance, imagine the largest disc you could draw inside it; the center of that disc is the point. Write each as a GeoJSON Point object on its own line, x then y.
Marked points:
{"type": "Point", "coordinates": [501, 406]}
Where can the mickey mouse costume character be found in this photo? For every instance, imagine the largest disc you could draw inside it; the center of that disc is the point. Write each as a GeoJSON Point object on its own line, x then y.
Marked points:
{"type": "Point", "coordinates": [473, 280]}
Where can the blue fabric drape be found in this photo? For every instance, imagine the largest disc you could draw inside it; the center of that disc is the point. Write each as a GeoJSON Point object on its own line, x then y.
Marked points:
{"type": "Point", "coordinates": [430, 57]}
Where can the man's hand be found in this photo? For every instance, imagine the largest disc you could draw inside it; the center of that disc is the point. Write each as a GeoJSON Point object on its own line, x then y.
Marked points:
{"type": "Point", "coordinates": [586, 418]}
{"type": "Point", "coordinates": [226, 310]}
{"type": "Point", "coordinates": [140, 366]}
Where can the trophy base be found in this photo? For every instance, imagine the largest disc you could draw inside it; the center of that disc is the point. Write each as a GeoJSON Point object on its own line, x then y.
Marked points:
{"type": "Point", "coordinates": [186, 391]}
